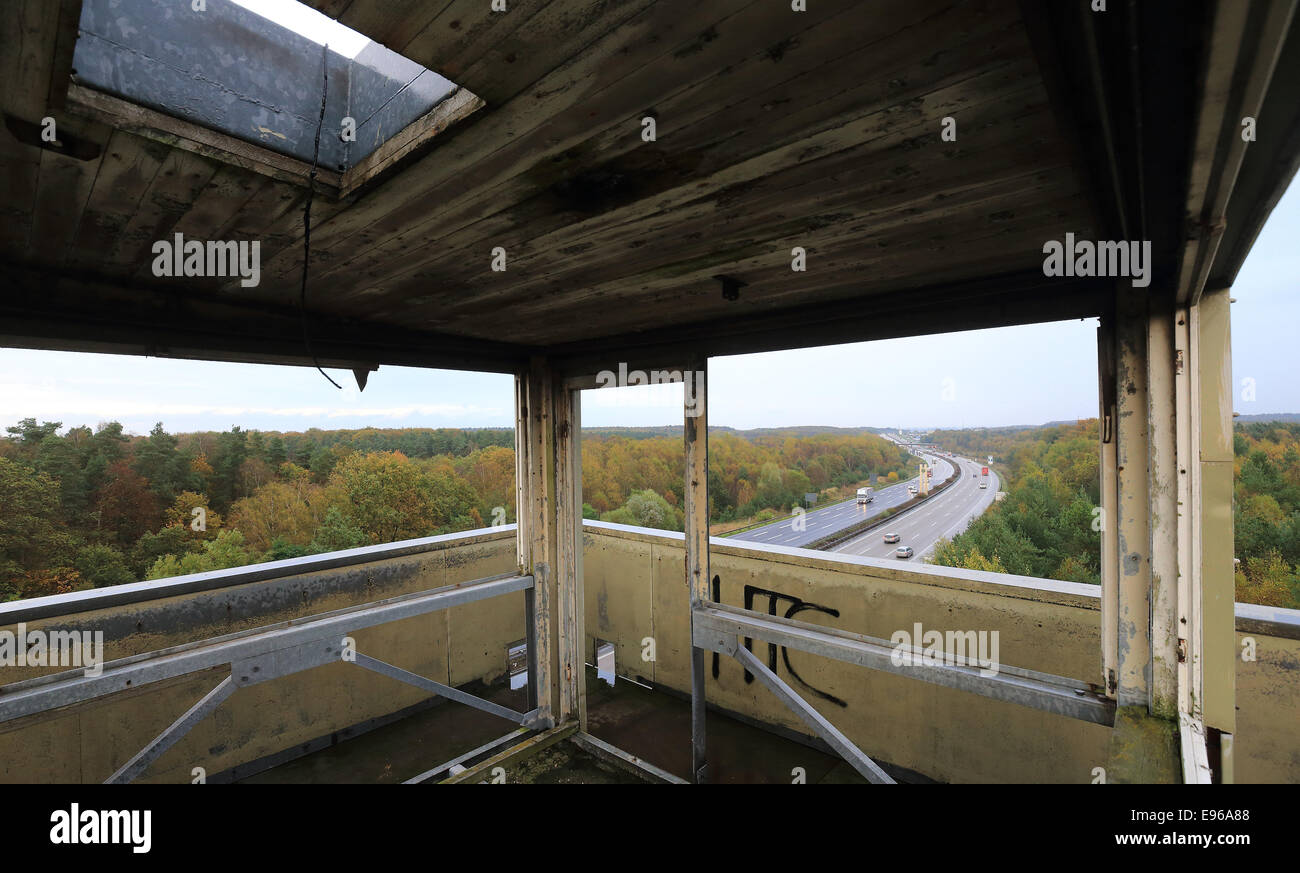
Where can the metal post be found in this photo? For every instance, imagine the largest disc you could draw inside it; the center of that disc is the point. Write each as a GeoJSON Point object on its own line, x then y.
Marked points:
{"type": "Point", "coordinates": [1133, 646]}
{"type": "Point", "coordinates": [1163, 426]}
{"type": "Point", "coordinates": [1215, 639]}
{"type": "Point", "coordinates": [1106, 360]}
{"type": "Point", "coordinates": [697, 545]}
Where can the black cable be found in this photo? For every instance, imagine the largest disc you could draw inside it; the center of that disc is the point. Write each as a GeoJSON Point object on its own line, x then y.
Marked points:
{"type": "Point", "coordinates": [306, 216]}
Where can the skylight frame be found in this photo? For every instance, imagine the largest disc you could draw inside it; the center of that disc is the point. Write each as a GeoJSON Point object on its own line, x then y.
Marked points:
{"type": "Point", "coordinates": [122, 111]}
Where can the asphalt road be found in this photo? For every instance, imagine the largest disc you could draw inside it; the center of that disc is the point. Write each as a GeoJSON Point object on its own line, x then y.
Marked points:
{"type": "Point", "coordinates": [821, 522]}
{"type": "Point", "coordinates": [944, 516]}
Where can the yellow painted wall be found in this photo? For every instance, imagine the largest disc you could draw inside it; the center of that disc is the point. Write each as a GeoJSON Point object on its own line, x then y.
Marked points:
{"type": "Point", "coordinates": [87, 743]}
{"type": "Point", "coordinates": [635, 589]}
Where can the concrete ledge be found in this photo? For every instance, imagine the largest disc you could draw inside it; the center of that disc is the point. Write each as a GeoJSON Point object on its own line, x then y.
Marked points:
{"type": "Point", "coordinates": [1005, 585]}
{"type": "Point", "coordinates": [156, 589]}
{"type": "Point", "coordinates": [1273, 621]}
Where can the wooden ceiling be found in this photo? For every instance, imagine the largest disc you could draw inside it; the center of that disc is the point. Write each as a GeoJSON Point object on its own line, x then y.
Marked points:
{"type": "Point", "coordinates": [776, 129]}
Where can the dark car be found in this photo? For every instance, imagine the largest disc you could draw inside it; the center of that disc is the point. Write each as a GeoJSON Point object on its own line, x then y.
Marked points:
{"type": "Point", "coordinates": [892, 537]}
{"type": "Point", "coordinates": [903, 552]}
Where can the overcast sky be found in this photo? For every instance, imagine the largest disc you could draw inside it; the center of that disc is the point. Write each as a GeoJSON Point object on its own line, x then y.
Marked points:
{"type": "Point", "coordinates": [1020, 375]}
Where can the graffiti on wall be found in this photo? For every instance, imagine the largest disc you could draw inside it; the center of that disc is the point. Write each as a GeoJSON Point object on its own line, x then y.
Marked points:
{"type": "Point", "coordinates": [788, 606]}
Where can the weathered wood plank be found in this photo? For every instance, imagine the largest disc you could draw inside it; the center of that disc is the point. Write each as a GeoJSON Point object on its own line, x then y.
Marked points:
{"type": "Point", "coordinates": [993, 42]}
{"type": "Point", "coordinates": [569, 600]}
{"type": "Point", "coordinates": [901, 162]}
{"type": "Point", "coordinates": [953, 251]}
{"type": "Point", "coordinates": [491, 150]}
{"type": "Point", "coordinates": [126, 172]}
{"type": "Point", "coordinates": [28, 32]}
{"type": "Point", "coordinates": [65, 185]}
{"type": "Point", "coordinates": [65, 42]}
{"type": "Point", "coordinates": [178, 182]}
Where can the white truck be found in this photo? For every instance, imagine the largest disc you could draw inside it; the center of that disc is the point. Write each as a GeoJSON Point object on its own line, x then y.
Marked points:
{"type": "Point", "coordinates": [865, 495]}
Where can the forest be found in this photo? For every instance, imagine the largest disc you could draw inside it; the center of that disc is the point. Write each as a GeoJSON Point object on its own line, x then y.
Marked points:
{"type": "Point", "coordinates": [83, 508]}
{"type": "Point", "coordinates": [1047, 524]}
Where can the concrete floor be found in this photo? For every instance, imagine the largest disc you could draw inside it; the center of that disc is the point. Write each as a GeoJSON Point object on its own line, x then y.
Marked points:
{"type": "Point", "coordinates": [652, 725]}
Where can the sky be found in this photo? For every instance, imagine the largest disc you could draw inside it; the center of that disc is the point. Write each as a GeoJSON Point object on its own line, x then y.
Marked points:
{"type": "Point", "coordinates": [308, 22]}
{"type": "Point", "coordinates": [1019, 375]}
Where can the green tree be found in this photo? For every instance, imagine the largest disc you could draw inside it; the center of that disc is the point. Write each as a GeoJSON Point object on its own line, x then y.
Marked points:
{"type": "Point", "coordinates": [102, 566]}
{"type": "Point", "coordinates": [226, 551]}
{"type": "Point", "coordinates": [336, 533]}
{"type": "Point", "coordinates": [645, 508]}
{"type": "Point", "coordinates": [32, 537]}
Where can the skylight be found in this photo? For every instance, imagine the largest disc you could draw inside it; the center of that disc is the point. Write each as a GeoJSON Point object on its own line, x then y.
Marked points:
{"type": "Point", "coordinates": [308, 22]}
{"type": "Point", "coordinates": [254, 69]}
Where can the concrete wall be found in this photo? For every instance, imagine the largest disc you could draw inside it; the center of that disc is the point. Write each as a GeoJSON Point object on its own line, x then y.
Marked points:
{"type": "Point", "coordinates": [634, 590]}
{"type": "Point", "coordinates": [87, 743]}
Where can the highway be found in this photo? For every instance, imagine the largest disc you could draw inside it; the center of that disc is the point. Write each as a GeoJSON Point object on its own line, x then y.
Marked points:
{"type": "Point", "coordinates": [821, 522]}
{"type": "Point", "coordinates": [944, 516]}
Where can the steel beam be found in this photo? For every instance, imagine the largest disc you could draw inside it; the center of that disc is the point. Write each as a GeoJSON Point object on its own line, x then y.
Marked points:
{"type": "Point", "coordinates": [869, 769]}
{"type": "Point", "coordinates": [516, 734]}
{"type": "Point", "coordinates": [716, 626]}
{"type": "Point", "coordinates": [172, 735]}
{"type": "Point", "coordinates": [525, 719]}
{"type": "Point", "coordinates": [625, 760]}
{"type": "Point", "coordinates": [62, 689]}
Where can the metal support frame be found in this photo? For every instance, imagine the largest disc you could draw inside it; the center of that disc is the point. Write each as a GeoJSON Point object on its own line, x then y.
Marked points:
{"type": "Point", "coordinates": [627, 761]}
{"type": "Point", "coordinates": [258, 656]}
{"type": "Point", "coordinates": [383, 668]}
{"type": "Point", "coordinates": [489, 746]}
{"type": "Point", "coordinates": [869, 769]}
{"type": "Point", "coordinates": [179, 728]}
{"type": "Point", "coordinates": [718, 626]}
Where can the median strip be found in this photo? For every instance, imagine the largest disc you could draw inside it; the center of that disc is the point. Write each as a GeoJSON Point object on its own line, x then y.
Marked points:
{"type": "Point", "coordinates": [844, 535]}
